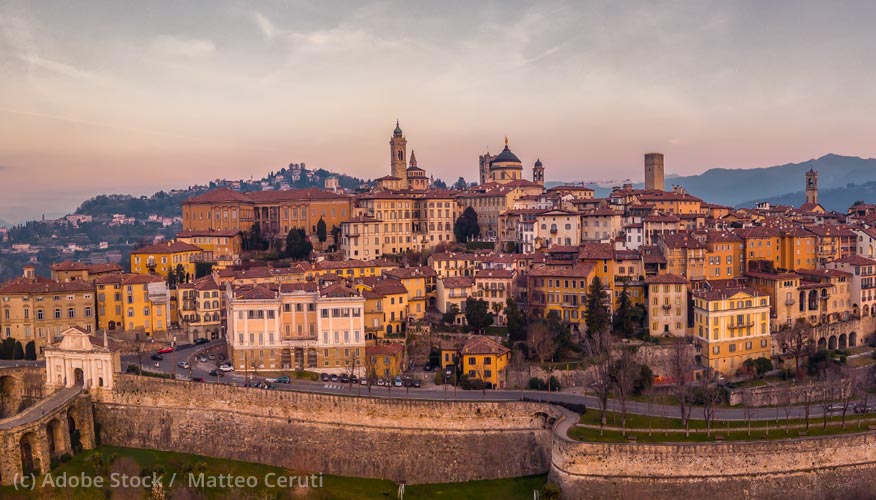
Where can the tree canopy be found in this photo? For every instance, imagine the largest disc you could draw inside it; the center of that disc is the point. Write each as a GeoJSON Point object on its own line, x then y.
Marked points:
{"type": "Point", "coordinates": [466, 225]}
{"type": "Point", "coordinates": [477, 315]}
{"type": "Point", "coordinates": [297, 245]}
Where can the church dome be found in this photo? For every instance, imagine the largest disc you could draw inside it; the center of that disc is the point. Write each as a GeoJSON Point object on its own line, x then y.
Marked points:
{"type": "Point", "coordinates": [398, 131]}
{"type": "Point", "coordinates": [538, 162]}
{"type": "Point", "coordinates": [506, 156]}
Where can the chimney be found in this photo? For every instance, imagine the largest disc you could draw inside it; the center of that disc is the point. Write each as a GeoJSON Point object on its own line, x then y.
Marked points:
{"type": "Point", "coordinates": [29, 271]}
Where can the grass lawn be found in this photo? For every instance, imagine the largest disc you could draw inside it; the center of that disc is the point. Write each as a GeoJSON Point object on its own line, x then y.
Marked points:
{"type": "Point", "coordinates": [775, 433]}
{"type": "Point", "coordinates": [137, 462]}
{"type": "Point", "coordinates": [504, 489]}
{"type": "Point", "coordinates": [642, 422]}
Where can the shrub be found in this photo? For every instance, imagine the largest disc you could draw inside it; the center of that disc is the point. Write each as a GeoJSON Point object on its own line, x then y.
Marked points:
{"type": "Point", "coordinates": [439, 378]}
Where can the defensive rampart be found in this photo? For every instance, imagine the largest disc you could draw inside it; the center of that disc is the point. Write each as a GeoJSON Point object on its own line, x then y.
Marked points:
{"type": "Point", "coordinates": [402, 440]}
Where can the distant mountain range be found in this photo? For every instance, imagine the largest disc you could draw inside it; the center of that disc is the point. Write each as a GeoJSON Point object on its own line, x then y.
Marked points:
{"type": "Point", "coordinates": [842, 180]}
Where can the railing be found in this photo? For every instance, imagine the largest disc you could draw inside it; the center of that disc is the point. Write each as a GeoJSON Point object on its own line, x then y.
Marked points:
{"type": "Point", "coordinates": [790, 302]}
{"type": "Point", "coordinates": [667, 306]}
{"type": "Point", "coordinates": [741, 325]}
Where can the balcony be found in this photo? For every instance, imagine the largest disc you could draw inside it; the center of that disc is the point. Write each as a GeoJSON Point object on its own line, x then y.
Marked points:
{"type": "Point", "coordinates": [790, 302]}
{"type": "Point", "coordinates": [737, 326]}
{"type": "Point", "coordinates": [667, 307]}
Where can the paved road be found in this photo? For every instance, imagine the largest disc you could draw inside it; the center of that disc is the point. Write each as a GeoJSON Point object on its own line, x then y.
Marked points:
{"type": "Point", "coordinates": [189, 353]}
{"type": "Point", "coordinates": [36, 411]}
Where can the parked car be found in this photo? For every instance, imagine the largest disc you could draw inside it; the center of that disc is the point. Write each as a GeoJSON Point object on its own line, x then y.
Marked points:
{"type": "Point", "coordinates": [202, 359]}
{"type": "Point", "coordinates": [344, 378]}
{"type": "Point", "coordinates": [398, 381]}
{"type": "Point", "coordinates": [354, 379]}
{"type": "Point", "coordinates": [363, 381]}
{"type": "Point", "coordinates": [427, 367]}
{"type": "Point", "coordinates": [283, 379]}
{"type": "Point", "coordinates": [197, 379]}
{"type": "Point", "coordinates": [213, 373]}
{"type": "Point", "coordinates": [226, 368]}
{"type": "Point", "coordinates": [184, 365]}
{"type": "Point", "coordinates": [417, 382]}
{"type": "Point", "coordinates": [381, 382]}
{"type": "Point", "coordinates": [836, 407]}
{"type": "Point", "coordinates": [201, 341]}
{"type": "Point", "coordinates": [157, 357]}
{"type": "Point", "coordinates": [165, 350]}
{"type": "Point", "coordinates": [407, 382]}
{"type": "Point", "coordinates": [324, 377]}
{"type": "Point", "coordinates": [333, 377]}
{"type": "Point", "coordinates": [211, 356]}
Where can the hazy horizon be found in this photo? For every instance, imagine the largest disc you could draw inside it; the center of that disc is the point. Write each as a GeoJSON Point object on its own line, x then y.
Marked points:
{"type": "Point", "coordinates": [139, 97]}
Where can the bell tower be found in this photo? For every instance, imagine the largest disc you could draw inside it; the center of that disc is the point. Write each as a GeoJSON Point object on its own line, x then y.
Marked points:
{"type": "Point", "coordinates": [812, 186]}
{"type": "Point", "coordinates": [398, 156]}
{"type": "Point", "coordinates": [538, 172]}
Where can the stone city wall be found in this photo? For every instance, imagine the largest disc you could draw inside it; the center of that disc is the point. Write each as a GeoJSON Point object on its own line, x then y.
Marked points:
{"type": "Point", "coordinates": [806, 468]}
{"type": "Point", "coordinates": [401, 440]}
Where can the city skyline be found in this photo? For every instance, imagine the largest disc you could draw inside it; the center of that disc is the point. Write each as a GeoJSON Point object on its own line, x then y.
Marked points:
{"type": "Point", "coordinates": [136, 98]}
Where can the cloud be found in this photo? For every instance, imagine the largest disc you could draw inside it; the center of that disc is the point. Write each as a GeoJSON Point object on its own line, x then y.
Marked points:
{"type": "Point", "coordinates": [19, 35]}
{"type": "Point", "coordinates": [268, 29]}
{"type": "Point", "coordinates": [183, 46]}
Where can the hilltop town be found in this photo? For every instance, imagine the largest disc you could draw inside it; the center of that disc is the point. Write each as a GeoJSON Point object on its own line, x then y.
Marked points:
{"type": "Point", "coordinates": [317, 278]}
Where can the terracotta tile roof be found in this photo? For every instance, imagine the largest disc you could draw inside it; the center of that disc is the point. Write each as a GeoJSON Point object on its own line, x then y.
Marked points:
{"type": "Point", "coordinates": [725, 293]}
{"type": "Point", "coordinates": [209, 233]}
{"type": "Point", "coordinates": [81, 266]}
{"type": "Point", "coordinates": [218, 196]}
{"type": "Point", "coordinates": [823, 273]}
{"type": "Point", "coordinates": [494, 274]}
{"type": "Point", "coordinates": [596, 251]}
{"type": "Point", "coordinates": [43, 285]}
{"type": "Point", "coordinates": [166, 248]}
{"type": "Point", "coordinates": [483, 345]}
{"type": "Point", "coordinates": [580, 270]}
{"type": "Point", "coordinates": [856, 260]}
{"type": "Point", "coordinates": [411, 272]}
{"type": "Point", "coordinates": [254, 292]}
{"type": "Point", "coordinates": [458, 282]}
{"type": "Point", "coordinates": [384, 350]}
{"type": "Point", "coordinates": [666, 279]}
{"type": "Point", "coordinates": [294, 195]}
{"type": "Point", "coordinates": [128, 279]}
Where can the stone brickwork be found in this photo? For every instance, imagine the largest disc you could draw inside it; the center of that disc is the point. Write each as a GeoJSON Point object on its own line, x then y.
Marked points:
{"type": "Point", "coordinates": [401, 440]}
{"type": "Point", "coordinates": [807, 468]}
{"type": "Point", "coordinates": [20, 388]}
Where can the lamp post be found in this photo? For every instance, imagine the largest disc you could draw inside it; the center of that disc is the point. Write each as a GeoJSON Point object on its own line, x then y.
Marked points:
{"type": "Point", "coordinates": [139, 353]}
{"type": "Point", "coordinates": [173, 355]}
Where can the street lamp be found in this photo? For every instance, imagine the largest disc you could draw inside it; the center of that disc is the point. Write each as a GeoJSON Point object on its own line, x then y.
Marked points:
{"type": "Point", "coordinates": [173, 355]}
{"type": "Point", "coordinates": [139, 353]}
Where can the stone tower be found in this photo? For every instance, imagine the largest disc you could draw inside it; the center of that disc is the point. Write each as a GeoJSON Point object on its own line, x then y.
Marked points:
{"type": "Point", "coordinates": [812, 186]}
{"type": "Point", "coordinates": [398, 159]}
{"type": "Point", "coordinates": [654, 171]}
{"type": "Point", "coordinates": [538, 172]}
{"type": "Point", "coordinates": [484, 167]}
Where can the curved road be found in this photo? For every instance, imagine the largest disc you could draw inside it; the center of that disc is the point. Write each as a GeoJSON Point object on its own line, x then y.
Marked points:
{"type": "Point", "coordinates": [38, 410]}
{"type": "Point", "coordinates": [189, 353]}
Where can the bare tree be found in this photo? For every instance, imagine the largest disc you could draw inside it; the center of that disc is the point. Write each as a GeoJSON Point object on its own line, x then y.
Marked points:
{"type": "Point", "coordinates": [748, 407]}
{"type": "Point", "coordinates": [541, 340]}
{"type": "Point", "coordinates": [808, 392]}
{"type": "Point", "coordinates": [602, 385]}
{"type": "Point", "coordinates": [680, 363]}
{"type": "Point", "coordinates": [711, 398]}
{"type": "Point", "coordinates": [852, 387]}
{"type": "Point", "coordinates": [786, 400]}
{"type": "Point", "coordinates": [624, 374]}
{"type": "Point", "coordinates": [796, 341]}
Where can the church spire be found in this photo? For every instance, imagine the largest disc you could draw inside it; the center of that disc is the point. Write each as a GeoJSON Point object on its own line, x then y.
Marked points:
{"type": "Point", "coordinates": [413, 159]}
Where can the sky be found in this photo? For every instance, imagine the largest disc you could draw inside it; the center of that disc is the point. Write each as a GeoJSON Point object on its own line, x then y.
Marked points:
{"type": "Point", "coordinates": [134, 97]}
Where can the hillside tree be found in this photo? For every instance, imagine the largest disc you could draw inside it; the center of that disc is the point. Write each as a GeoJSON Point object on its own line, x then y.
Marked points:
{"type": "Point", "coordinates": [297, 245]}
{"type": "Point", "coordinates": [477, 315]}
{"type": "Point", "coordinates": [466, 225]}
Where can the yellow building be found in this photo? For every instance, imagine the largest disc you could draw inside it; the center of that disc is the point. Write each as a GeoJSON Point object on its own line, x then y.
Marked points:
{"type": "Point", "coordinates": [38, 309]}
{"type": "Point", "coordinates": [667, 305]}
{"type": "Point", "coordinates": [799, 249]}
{"type": "Point", "coordinates": [385, 306]}
{"type": "Point", "coordinates": [163, 258]}
{"type": "Point", "coordinates": [133, 303]}
{"type": "Point", "coordinates": [384, 361]}
{"type": "Point", "coordinates": [419, 281]}
{"type": "Point", "coordinates": [731, 325]}
{"type": "Point", "coordinates": [762, 243]}
{"type": "Point", "coordinates": [485, 359]}
{"type": "Point", "coordinates": [725, 255]}
{"type": "Point", "coordinates": [563, 290]}
{"type": "Point", "coordinates": [227, 243]}
{"type": "Point", "coordinates": [453, 292]}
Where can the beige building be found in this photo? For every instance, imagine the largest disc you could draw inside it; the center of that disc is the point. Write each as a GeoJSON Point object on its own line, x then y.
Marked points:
{"type": "Point", "coordinates": [667, 305]}
{"type": "Point", "coordinates": [452, 292]}
{"type": "Point", "coordinates": [38, 309]}
{"type": "Point", "coordinates": [295, 327]}
{"type": "Point", "coordinates": [201, 308]}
